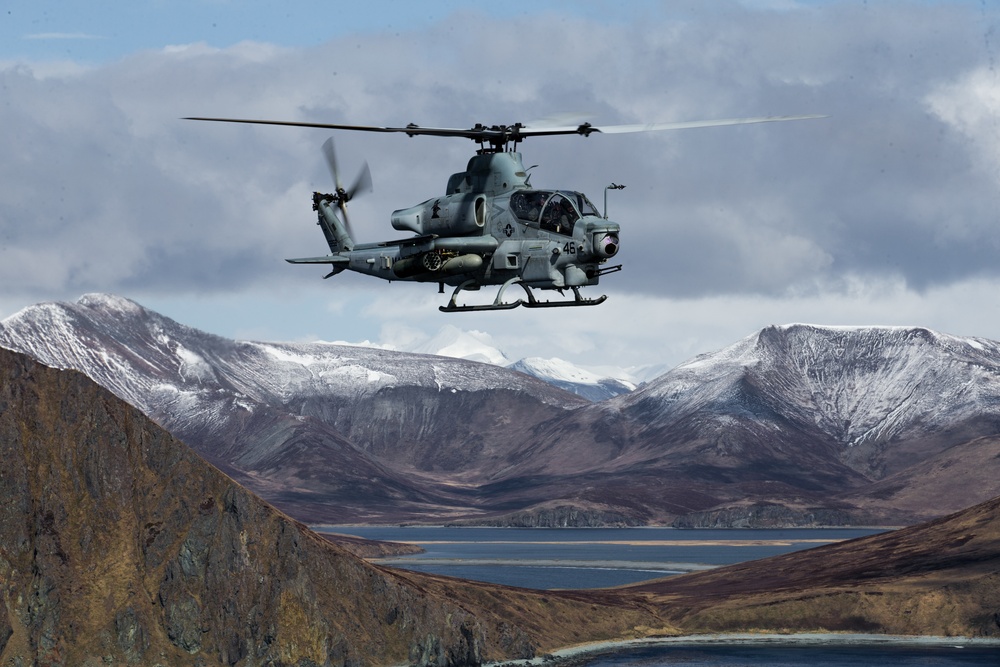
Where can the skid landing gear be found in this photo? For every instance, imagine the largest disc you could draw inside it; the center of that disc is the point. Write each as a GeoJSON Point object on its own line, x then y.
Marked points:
{"type": "Point", "coordinates": [578, 300]}
{"type": "Point", "coordinates": [497, 304]}
{"type": "Point", "coordinates": [531, 302]}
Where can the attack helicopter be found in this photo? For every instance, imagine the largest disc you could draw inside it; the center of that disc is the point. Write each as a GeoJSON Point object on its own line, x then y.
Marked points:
{"type": "Point", "coordinates": [490, 227]}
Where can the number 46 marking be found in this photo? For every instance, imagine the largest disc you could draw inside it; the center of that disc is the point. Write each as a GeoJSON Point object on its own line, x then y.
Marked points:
{"type": "Point", "coordinates": [570, 248]}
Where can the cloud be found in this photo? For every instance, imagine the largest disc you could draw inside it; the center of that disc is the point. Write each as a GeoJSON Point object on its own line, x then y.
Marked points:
{"type": "Point", "coordinates": [103, 188]}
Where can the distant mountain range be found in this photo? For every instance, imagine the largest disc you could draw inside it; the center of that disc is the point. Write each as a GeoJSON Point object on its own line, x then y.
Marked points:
{"type": "Point", "coordinates": [794, 425]}
{"type": "Point", "coordinates": [121, 546]}
{"type": "Point", "coordinates": [592, 383]}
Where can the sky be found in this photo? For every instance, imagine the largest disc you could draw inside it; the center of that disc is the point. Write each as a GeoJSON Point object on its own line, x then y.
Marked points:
{"type": "Point", "coordinates": [886, 212]}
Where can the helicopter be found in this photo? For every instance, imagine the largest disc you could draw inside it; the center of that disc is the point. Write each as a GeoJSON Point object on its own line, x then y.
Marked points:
{"type": "Point", "coordinates": [490, 227]}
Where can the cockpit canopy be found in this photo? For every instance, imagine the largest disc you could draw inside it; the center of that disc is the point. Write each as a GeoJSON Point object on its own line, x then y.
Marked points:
{"type": "Point", "coordinates": [552, 210]}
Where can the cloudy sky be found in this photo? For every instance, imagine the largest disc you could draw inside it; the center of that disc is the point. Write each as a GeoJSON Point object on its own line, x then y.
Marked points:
{"type": "Point", "coordinates": [886, 212]}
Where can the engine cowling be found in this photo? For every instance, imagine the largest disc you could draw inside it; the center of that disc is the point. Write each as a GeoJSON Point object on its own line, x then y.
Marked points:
{"type": "Point", "coordinates": [447, 216]}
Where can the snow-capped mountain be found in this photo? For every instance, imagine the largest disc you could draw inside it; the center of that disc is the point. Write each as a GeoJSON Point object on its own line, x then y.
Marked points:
{"type": "Point", "coordinates": [573, 378]}
{"type": "Point", "coordinates": [451, 341]}
{"type": "Point", "coordinates": [862, 387]}
{"type": "Point", "coordinates": [334, 424]}
{"type": "Point", "coordinates": [793, 425]}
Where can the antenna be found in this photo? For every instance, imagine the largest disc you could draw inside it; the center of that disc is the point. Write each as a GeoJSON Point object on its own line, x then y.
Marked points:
{"type": "Point", "coordinates": [613, 186]}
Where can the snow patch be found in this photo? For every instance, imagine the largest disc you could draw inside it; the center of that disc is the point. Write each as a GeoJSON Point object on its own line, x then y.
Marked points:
{"type": "Point", "coordinates": [193, 365]}
{"type": "Point", "coordinates": [357, 374]}
{"type": "Point", "coordinates": [288, 355]}
{"type": "Point", "coordinates": [453, 342]}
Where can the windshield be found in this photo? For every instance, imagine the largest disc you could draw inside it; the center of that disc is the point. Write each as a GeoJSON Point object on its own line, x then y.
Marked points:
{"type": "Point", "coordinates": [559, 215]}
{"type": "Point", "coordinates": [528, 204]}
{"type": "Point", "coordinates": [582, 203]}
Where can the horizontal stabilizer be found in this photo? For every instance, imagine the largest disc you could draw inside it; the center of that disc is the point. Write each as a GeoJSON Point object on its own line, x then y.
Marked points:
{"type": "Point", "coordinates": [328, 259]}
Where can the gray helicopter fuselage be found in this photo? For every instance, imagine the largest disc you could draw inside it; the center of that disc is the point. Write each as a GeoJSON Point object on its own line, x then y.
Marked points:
{"type": "Point", "coordinates": [483, 229]}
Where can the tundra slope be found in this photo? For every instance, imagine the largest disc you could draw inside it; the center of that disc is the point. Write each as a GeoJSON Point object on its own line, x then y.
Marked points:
{"type": "Point", "coordinates": [794, 425]}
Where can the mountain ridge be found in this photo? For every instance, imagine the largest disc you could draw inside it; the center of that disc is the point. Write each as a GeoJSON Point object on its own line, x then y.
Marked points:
{"type": "Point", "coordinates": [119, 545]}
{"type": "Point", "coordinates": [793, 425]}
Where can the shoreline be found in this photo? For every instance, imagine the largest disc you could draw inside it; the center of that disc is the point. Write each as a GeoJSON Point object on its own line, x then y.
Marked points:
{"type": "Point", "coordinates": [638, 566]}
{"type": "Point", "coordinates": [584, 652]}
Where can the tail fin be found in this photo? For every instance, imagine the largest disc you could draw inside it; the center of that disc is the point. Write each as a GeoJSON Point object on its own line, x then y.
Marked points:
{"type": "Point", "coordinates": [335, 231]}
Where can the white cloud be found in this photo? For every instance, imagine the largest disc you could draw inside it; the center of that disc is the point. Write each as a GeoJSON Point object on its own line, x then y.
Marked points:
{"type": "Point", "coordinates": [970, 105]}
{"type": "Point", "coordinates": [886, 209]}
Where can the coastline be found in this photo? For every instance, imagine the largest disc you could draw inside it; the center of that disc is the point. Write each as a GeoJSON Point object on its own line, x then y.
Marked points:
{"type": "Point", "coordinates": [584, 652]}
{"type": "Point", "coordinates": [648, 566]}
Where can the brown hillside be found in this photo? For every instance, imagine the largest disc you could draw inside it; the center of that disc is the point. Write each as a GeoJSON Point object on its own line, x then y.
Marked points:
{"type": "Point", "coordinates": [119, 545]}
{"type": "Point", "coordinates": [937, 578]}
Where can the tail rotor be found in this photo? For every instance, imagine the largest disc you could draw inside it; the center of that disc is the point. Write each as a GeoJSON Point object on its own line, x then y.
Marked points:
{"type": "Point", "coordinates": [362, 184]}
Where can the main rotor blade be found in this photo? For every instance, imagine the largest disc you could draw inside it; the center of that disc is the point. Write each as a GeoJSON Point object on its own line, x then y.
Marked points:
{"type": "Point", "coordinates": [334, 126]}
{"type": "Point", "coordinates": [478, 133]}
{"type": "Point", "coordinates": [586, 128]}
{"type": "Point", "coordinates": [517, 132]}
{"type": "Point", "coordinates": [654, 127]}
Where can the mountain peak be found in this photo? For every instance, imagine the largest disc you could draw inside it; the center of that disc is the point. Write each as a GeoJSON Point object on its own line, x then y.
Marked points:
{"type": "Point", "coordinates": [112, 302]}
{"type": "Point", "coordinates": [450, 341]}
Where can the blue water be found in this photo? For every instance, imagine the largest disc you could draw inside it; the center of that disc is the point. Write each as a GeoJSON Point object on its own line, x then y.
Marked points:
{"type": "Point", "coordinates": [803, 656]}
{"type": "Point", "coordinates": [547, 577]}
{"type": "Point", "coordinates": [547, 558]}
{"type": "Point", "coordinates": [539, 557]}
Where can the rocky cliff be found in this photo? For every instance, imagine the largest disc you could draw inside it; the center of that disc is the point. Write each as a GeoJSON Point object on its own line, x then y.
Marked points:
{"type": "Point", "coordinates": [119, 545]}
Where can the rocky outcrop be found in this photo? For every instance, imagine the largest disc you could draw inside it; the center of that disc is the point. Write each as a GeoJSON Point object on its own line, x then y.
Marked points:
{"type": "Point", "coordinates": [119, 545]}
{"type": "Point", "coordinates": [767, 516]}
{"type": "Point", "coordinates": [560, 516]}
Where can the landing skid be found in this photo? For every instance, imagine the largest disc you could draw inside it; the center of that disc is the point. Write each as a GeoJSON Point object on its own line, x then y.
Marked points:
{"type": "Point", "coordinates": [532, 302]}
{"type": "Point", "coordinates": [497, 304]}
{"type": "Point", "coordinates": [578, 300]}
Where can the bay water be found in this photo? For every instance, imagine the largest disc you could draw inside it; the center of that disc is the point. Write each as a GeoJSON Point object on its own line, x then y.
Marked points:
{"type": "Point", "coordinates": [554, 558]}
{"type": "Point", "coordinates": [549, 558]}
{"type": "Point", "coordinates": [833, 652]}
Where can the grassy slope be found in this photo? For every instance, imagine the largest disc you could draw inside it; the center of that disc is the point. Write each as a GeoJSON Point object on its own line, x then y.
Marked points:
{"type": "Point", "coordinates": [937, 578]}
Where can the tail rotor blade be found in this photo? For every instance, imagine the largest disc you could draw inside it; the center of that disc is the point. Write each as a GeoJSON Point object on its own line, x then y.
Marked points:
{"type": "Point", "coordinates": [331, 162]}
{"type": "Point", "coordinates": [363, 183]}
{"type": "Point", "coordinates": [343, 216]}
